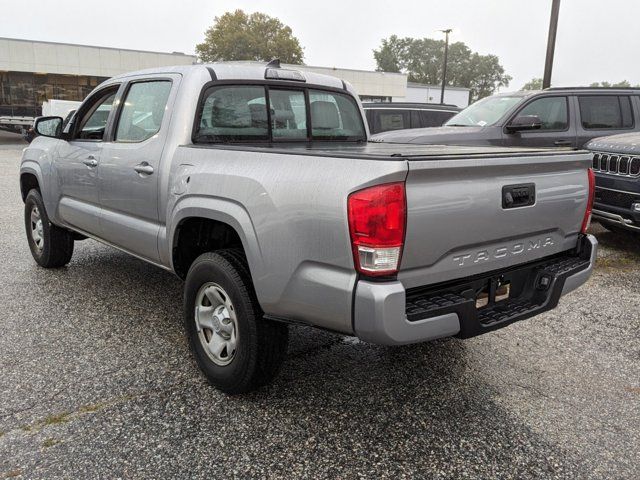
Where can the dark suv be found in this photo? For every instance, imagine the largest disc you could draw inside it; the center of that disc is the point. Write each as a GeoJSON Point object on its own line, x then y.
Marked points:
{"type": "Point", "coordinates": [555, 117]}
{"type": "Point", "coordinates": [616, 162]}
{"type": "Point", "coordinates": [383, 117]}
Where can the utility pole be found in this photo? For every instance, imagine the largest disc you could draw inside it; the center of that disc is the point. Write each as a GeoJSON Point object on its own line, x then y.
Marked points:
{"type": "Point", "coordinates": [551, 43]}
{"type": "Point", "coordinates": [444, 66]}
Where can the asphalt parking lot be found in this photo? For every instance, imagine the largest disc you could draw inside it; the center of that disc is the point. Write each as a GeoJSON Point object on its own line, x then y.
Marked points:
{"type": "Point", "coordinates": [97, 381]}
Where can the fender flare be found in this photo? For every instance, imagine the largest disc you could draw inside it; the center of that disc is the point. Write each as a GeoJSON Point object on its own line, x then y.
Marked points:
{"type": "Point", "coordinates": [31, 167]}
{"type": "Point", "coordinates": [221, 210]}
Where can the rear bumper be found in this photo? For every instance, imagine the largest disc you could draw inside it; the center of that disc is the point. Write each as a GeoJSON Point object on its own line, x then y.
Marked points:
{"type": "Point", "coordinates": [387, 314]}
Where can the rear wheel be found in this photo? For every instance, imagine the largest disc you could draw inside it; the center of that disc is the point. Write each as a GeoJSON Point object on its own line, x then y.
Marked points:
{"type": "Point", "coordinates": [235, 347]}
{"type": "Point", "coordinates": [51, 246]}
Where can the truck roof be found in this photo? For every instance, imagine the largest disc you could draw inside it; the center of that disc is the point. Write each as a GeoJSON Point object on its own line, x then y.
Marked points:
{"type": "Point", "coordinates": [243, 71]}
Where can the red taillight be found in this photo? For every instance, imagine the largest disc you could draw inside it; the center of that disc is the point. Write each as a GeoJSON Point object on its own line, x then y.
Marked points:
{"type": "Point", "coordinates": [377, 217]}
{"type": "Point", "coordinates": [587, 213]}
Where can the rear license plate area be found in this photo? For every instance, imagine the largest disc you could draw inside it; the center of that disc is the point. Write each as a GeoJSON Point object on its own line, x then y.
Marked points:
{"type": "Point", "coordinates": [497, 290]}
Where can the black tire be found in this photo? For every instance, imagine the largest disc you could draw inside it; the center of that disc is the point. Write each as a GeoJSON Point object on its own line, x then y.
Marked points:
{"type": "Point", "coordinates": [261, 344]}
{"type": "Point", "coordinates": [56, 248]}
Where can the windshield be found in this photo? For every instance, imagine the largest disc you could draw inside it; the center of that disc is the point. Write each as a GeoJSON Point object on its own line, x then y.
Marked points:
{"type": "Point", "coordinates": [484, 112]}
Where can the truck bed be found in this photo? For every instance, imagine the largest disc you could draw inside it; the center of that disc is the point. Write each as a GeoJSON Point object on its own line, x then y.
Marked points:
{"type": "Point", "coordinates": [295, 195]}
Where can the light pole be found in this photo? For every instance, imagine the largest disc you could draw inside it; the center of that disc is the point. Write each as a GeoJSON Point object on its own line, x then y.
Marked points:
{"type": "Point", "coordinates": [551, 43]}
{"type": "Point", "coordinates": [444, 66]}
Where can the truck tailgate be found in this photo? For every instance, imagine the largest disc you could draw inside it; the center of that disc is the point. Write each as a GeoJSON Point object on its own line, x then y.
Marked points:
{"type": "Point", "coordinates": [463, 216]}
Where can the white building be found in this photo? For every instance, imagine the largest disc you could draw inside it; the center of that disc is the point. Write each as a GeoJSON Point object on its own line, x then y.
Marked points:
{"type": "Point", "coordinates": [392, 87]}
{"type": "Point", "coordinates": [371, 86]}
{"type": "Point", "coordinates": [416, 92]}
{"type": "Point", "coordinates": [32, 72]}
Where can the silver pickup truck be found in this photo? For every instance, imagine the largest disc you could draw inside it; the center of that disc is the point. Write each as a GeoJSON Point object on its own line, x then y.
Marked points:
{"type": "Point", "coordinates": [257, 185]}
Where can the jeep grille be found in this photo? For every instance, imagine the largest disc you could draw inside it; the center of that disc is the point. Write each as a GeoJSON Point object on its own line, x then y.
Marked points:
{"type": "Point", "coordinates": [616, 164]}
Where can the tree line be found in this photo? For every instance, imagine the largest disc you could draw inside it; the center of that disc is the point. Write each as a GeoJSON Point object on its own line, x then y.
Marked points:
{"type": "Point", "coordinates": [240, 36]}
{"type": "Point", "coordinates": [536, 84]}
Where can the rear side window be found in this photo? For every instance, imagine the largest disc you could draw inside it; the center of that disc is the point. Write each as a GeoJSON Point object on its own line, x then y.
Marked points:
{"type": "Point", "coordinates": [232, 113]}
{"type": "Point", "coordinates": [142, 111]}
{"type": "Point", "coordinates": [247, 113]}
{"type": "Point", "coordinates": [601, 112]}
{"type": "Point", "coordinates": [435, 118]}
{"type": "Point", "coordinates": [387, 119]}
{"type": "Point", "coordinates": [553, 112]}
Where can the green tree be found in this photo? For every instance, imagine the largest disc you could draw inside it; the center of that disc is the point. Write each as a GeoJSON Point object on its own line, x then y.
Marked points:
{"type": "Point", "coordinates": [239, 36]}
{"type": "Point", "coordinates": [421, 59]}
{"type": "Point", "coordinates": [622, 84]}
{"type": "Point", "coordinates": [533, 84]}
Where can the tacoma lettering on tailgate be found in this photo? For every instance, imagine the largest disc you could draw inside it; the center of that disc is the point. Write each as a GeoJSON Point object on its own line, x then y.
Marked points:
{"type": "Point", "coordinates": [502, 252]}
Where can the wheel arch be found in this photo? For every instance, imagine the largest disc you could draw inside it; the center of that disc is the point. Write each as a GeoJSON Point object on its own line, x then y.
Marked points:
{"type": "Point", "coordinates": [30, 178]}
{"type": "Point", "coordinates": [228, 225]}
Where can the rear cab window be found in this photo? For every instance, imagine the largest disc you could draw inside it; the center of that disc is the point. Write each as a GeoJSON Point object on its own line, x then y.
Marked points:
{"type": "Point", "coordinates": [602, 112]}
{"type": "Point", "coordinates": [288, 114]}
{"type": "Point", "coordinates": [233, 113]}
{"type": "Point", "coordinates": [272, 113]}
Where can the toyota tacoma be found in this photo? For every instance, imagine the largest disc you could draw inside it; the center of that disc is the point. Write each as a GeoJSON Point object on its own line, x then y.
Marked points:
{"type": "Point", "coordinates": [258, 186]}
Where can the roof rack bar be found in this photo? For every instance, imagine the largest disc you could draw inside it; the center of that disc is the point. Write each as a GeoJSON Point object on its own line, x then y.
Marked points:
{"type": "Point", "coordinates": [212, 73]}
{"type": "Point", "coordinates": [592, 88]}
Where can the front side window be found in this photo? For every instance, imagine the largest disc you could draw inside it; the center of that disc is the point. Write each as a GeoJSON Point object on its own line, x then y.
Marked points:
{"type": "Point", "coordinates": [232, 113]}
{"type": "Point", "coordinates": [600, 112]}
{"type": "Point", "coordinates": [553, 112]}
{"type": "Point", "coordinates": [94, 121]}
{"type": "Point", "coordinates": [142, 111]}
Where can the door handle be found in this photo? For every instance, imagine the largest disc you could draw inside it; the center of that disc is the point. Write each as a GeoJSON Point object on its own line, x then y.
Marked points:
{"type": "Point", "coordinates": [90, 161]}
{"type": "Point", "coordinates": [563, 143]}
{"type": "Point", "coordinates": [143, 168]}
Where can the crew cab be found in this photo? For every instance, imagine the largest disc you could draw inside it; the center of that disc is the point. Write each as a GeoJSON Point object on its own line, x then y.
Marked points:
{"type": "Point", "coordinates": [616, 162]}
{"type": "Point", "coordinates": [554, 117]}
{"type": "Point", "coordinates": [257, 185]}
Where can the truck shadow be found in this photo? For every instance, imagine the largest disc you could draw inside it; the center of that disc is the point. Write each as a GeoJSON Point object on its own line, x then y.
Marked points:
{"type": "Point", "coordinates": [426, 407]}
{"type": "Point", "coordinates": [370, 409]}
{"type": "Point", "coordinates": [618, 250]}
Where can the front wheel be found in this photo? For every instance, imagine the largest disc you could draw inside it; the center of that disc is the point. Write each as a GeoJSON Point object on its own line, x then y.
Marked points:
{"type": "Point", "coordinates": [234, 346]}
{"type": "Point", "coordinates": [51, 246]}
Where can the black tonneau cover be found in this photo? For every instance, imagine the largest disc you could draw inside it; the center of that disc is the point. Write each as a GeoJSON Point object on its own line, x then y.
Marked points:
{"type": "Point", "coordinates": [389, 151]}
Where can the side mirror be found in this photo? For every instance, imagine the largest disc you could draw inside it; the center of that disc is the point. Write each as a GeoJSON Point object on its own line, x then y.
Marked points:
{"type": "Point", "coordinates": [48, 126]}
{"type": "Point", "coordinates": [524, 122]}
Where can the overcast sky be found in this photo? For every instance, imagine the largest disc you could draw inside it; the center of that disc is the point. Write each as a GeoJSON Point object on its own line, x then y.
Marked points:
{"type": "Point", "coordinates": [597, 40]}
